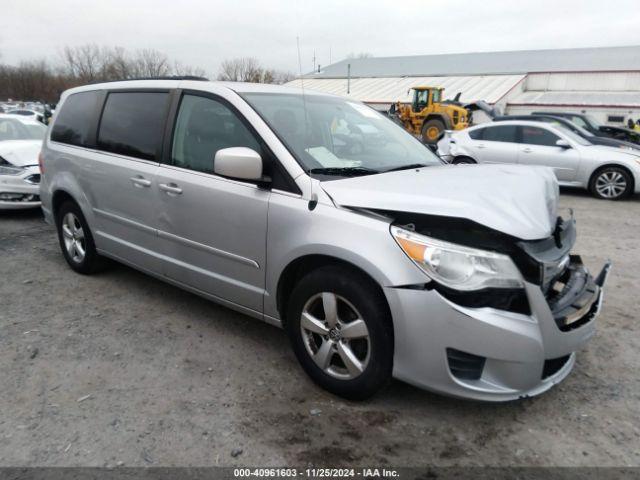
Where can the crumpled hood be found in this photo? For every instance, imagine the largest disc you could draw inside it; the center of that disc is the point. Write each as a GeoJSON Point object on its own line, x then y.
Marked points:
{"type": "Point", "coordinates": [21, 152]}
{"type": "Point", "coordinates": [520, 201]}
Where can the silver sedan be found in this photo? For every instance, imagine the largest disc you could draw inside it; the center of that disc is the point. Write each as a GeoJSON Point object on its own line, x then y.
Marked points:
{"type": "Point", "coordinates": [608, 173]}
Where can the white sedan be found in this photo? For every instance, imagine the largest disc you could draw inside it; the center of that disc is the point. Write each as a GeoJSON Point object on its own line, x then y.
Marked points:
{"type": "Point", "coordinates": [20, 144]}
{"type": "Point", "coordinates": [608, 173]}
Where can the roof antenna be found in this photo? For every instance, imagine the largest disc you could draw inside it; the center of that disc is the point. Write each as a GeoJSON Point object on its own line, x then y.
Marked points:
{"type": "Point", "coordinates": [313, 202]}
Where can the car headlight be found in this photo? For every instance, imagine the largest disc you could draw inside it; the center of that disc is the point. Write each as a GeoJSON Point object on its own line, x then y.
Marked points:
{"type": "Point", "coordinates": [456, 266]}
{"type": "Point", "coordinates": [5, 170]}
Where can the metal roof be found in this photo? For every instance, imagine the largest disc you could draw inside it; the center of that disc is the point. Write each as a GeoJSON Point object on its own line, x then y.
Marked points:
{"type": "Point", "coordinates": [489, 63]}
{"type": "Point", "coordinates": [489, 88]}
{"type": "Point", "coordinates": [578, 99]}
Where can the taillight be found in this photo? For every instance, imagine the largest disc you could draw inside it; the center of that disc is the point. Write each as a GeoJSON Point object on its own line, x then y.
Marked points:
{"type": "Point", "coordinates": [41, 162]}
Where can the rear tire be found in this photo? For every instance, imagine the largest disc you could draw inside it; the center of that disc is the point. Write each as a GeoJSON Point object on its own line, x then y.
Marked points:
{"type": "Point", "coordinates": [76, 241]}
{"type": "Point", "coordinates": [432, 130]}
{"type": "Point", "coordinates": [611, 183]}
{"type": "Point", "coordinates": [340, 329]}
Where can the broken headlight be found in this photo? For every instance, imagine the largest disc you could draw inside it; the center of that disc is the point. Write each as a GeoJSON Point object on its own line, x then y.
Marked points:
{"type": "Point", "coordinates": [456, 266]}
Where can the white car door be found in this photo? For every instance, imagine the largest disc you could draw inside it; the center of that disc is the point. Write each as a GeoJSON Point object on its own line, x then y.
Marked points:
{"type": "Point", "coordinates": [538, 147]}
{"type": "Point", "coordinates": [494, 144]}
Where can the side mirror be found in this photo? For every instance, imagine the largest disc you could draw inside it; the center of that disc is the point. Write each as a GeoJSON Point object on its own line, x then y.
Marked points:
{"type": "Point", "coordinates": [563, 144]}
{"type": "Point", "coordinates": [240, 163]}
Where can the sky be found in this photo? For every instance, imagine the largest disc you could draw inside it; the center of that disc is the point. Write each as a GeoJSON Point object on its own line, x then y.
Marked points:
{"type": "Point", "coordinates": [202, 33]}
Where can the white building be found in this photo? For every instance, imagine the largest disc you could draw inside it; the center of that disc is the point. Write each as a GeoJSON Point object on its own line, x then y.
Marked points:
{"type": "Point", "coordinates": [604, 82]}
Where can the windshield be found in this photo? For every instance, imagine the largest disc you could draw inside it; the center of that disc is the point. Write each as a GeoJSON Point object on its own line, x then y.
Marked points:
{"type": "Point", "coordinates": [592, 121]}
{"type": "Point", "coordinates": [573, 136]}
{"type": "Point", "coordinates": [337, 137]}
{"type": "Point", "coordinates": [12, 129]}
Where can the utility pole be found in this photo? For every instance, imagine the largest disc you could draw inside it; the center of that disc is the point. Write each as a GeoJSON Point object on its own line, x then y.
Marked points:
{"type": "Point", "coordinates": [314, 60]}
{"type": "Point", "coordinates": [348, 78]}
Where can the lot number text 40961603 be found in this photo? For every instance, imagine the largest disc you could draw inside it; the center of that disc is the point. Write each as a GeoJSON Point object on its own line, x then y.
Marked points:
{"type": "Point", "coordinates": [315, 473]}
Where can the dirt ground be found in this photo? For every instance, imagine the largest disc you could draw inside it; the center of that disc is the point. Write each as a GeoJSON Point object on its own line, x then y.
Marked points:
{"type": "Point", "coordinates": [121, 369]}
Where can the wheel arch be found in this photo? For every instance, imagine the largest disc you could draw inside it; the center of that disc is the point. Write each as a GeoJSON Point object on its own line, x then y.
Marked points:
{"type": "Point", "coordinates": [58, 198]}
{"type": "Point", "coordinates": [301, 266]}
{"type": "Point", "coordinates": [612, 165]}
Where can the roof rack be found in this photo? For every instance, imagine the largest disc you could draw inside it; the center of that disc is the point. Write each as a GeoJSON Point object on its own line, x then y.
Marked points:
{"type": "Point", "coordinates": [168, 77]}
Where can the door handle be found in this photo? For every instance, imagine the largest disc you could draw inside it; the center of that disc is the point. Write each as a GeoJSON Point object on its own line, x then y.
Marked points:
{"type": "Point", "coordinates": [140, 181]}
{"type": "Point", "coordinates": [170, 188]}
{"type": "Point", "coordinates": [482, 146]}
{"type": "Point", "coordinates": [527, 150]}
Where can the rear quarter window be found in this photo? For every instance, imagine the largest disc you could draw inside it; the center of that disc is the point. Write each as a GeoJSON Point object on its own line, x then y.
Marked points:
{"type": "Point", "coordinates": [74, 121]}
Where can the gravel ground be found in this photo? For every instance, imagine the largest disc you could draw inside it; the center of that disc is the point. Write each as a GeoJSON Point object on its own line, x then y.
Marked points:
{"type": "Point", "coordinates": [121, 369]}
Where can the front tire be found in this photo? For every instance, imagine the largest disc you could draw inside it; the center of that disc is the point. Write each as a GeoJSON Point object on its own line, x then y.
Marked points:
{"type": "Point", "coordinates": [340, 328]}
{"type": "Point", "coordinates": [76, 241]}
{"type": "Point", "coordinates": [432, 130]}
{"type": "Point", "coordinates": [611, 183]}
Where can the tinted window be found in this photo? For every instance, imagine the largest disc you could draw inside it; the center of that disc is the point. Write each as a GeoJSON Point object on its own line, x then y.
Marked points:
{"type": "Point", "coordinates": [75, 118]}
{"type": "Point", "coordinates": [205, 126]}
{"type": "Point", "coordinates": [538, 136]}
{"type": "Point", "coordinates": [476, 134]}
{"type": "Point", "coordinates": [132, 123]}
{"type": "Point", "coordinates": [501, 133]}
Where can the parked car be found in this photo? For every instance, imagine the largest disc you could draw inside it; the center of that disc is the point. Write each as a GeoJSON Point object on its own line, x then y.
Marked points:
{"type": "Point", "coordinates": [20, 144]}
{"type": "Point", "coordinates": [32, 114]}
{"type": "Point", "coordinates": [378, 262]}
{"type": "Point", "coordinates": [569, 125]}
{"type": "Point", "coordinates": [592, 125]}
{"type": "Point", "coordinates": [608, 173]}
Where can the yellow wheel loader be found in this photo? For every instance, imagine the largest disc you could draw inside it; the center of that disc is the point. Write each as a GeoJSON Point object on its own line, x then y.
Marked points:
{"type": "Point", "coordinates": [428, 116]}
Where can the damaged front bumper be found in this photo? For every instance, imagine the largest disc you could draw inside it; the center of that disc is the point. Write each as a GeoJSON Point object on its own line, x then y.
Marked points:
{"type": "Point", "coordinates": [493, 354]}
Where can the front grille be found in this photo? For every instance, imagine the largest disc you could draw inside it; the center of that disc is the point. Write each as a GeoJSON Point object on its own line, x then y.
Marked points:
{"type": "Point", "coordinates": [554, 365]}
{"type": "Point", "coordinates": [18, 197]}
{"type": "Point", "coordinates": [465, 366]}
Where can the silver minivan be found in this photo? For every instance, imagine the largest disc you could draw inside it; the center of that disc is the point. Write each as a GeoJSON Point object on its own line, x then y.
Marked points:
{"type": "Point", "coordinates": [317, 214]}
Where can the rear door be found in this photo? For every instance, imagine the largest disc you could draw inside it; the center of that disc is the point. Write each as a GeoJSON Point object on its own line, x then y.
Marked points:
{"type": "Point", "coordinates": [213, 229]}
{"type": "Point", "coordinates": [538, 147]}
{"type": "Point", "coordinates": [121, 178]}
{"type": "Point", "coordinates": [495, 144]}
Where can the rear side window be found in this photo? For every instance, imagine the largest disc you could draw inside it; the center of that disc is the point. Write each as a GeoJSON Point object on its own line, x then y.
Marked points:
{"type": "Point", "coordinates": [74, 121]}
{"type": "Point", "coordinates": [501, 133]}
{"type": "Point", "coordinates": [538, 136]}
{"type": "Point", "coordinates": [132, 124]}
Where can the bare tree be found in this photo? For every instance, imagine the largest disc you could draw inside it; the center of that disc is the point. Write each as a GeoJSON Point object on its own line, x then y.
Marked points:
{"type": "Point", "coordinates": [150, 63]}
{"type": "Point", "coordinates": [187, 70]}
{"type": "Point", "coordinates": [248, 69]}
{"type": "Point", "coordinates": [86, 62]}
{"type": "Point", "coordinates": [43, 80]}
{"type": "Point", "coordinates": [353, 55]}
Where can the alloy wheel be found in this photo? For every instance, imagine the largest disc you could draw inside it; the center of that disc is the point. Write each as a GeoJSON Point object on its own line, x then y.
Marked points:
{"type": "Point", "coordinates": [73, 236]}
{"type": "Point", "coordinates": [335, 336]}
{"type": "Point", "coordinates": [611, 184]}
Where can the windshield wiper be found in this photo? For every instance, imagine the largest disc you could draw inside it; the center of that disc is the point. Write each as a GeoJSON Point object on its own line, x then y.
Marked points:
{"type": "Point", "coordinates": [407, 167]}
{"type": "Point", "coordinates": [345, 171]}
